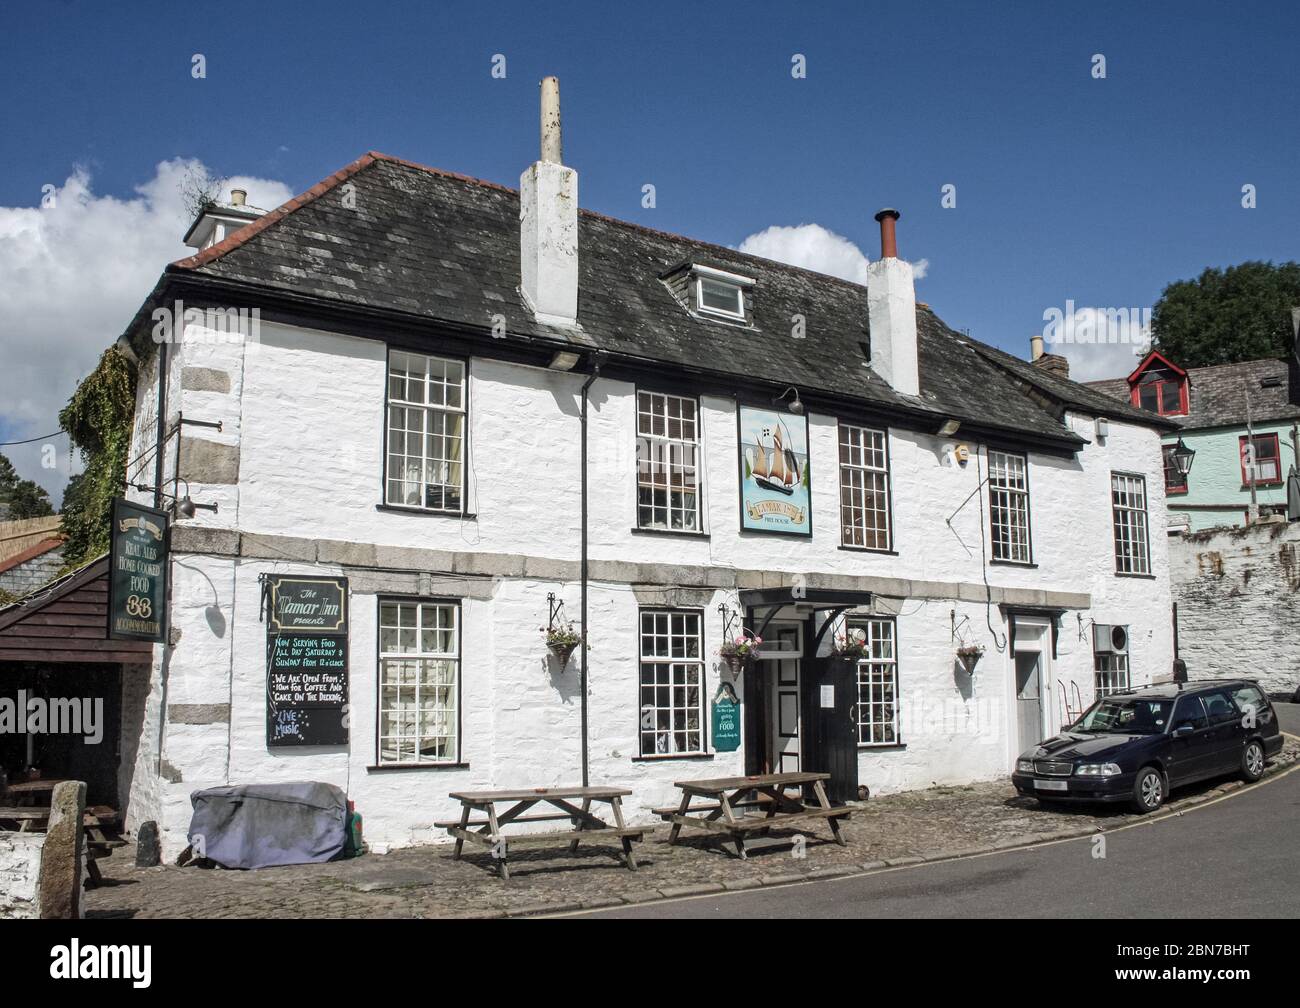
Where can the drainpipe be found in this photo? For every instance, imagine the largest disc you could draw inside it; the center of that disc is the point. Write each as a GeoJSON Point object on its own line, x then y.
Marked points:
{"type": "Point", "coordinates": [596, 358]}
{"type": "Point", "coordinates": [162, 425]}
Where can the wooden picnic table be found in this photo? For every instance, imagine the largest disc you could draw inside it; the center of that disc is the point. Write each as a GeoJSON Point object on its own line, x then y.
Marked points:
{"type": "Point", "coordinates": [727, 796]}
{"type": "Point", "coordinates": [28, 792]}
{"type": "Point", "coordinates": [585, 825]}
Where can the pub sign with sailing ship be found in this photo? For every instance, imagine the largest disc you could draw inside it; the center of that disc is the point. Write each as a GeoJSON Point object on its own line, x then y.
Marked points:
{"type": "Point", "coordinates": [775, 486]}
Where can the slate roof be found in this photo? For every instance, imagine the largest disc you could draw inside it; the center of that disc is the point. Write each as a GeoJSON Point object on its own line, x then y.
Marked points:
{"type": "Point", "coordinates": [1216, 394]}
{"type": "Point", "coordinates": [444, 247]}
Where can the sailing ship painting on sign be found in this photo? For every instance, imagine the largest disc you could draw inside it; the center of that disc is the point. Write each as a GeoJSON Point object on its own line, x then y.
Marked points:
{"type": "Point", "coordinates": [774, 479]}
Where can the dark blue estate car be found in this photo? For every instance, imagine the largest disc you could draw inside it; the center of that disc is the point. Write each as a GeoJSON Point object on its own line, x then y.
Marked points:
{"type": "Point", "coordinates": [1137, 745]}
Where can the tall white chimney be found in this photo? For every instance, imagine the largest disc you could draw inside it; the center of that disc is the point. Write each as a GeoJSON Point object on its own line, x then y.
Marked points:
{"type": "Point", "coordinates": [891, 308]}
{"type": "Point", "coordinates": [548, 224]}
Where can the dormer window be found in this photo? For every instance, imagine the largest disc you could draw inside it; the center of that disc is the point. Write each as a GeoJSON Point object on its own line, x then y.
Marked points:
{"type": "Point", "coordinates": [720, 293]}
{"type": "Point", "coordinates": [1160, 386]}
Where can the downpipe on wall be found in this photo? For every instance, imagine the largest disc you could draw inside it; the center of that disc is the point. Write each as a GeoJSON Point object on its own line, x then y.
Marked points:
{"type": "Point", "coordinates": [595, 360]}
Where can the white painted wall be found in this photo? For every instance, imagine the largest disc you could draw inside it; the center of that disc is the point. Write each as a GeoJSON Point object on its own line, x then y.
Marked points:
{"type": "Point", "coordinates": [306, 411]}
{"type": "Point", "coordinates": [20, 875]}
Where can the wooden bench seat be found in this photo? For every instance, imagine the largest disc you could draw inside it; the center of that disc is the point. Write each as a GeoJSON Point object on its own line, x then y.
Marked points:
{"type": "Point", "coordinates": [762, 802]}
{"type": "Point", "coordinates": [488, 840]}
{"type": "Point", "coordinates": [556, 817]}
{"type": "Point", "coordinates": [747, 824]}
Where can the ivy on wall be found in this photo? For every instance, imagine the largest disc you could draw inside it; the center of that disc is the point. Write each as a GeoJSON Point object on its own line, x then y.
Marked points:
{"type": "Point", "coordinates": [98, 420]}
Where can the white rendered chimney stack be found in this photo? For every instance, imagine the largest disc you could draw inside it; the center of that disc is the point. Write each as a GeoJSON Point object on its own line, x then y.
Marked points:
{"type": "Point", "coordinates": [891, 310]}
{"type": "Point", "coordinates": [548, 223]}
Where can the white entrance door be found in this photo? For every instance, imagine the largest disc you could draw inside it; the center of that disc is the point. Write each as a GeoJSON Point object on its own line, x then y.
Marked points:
{"type": "Point", "coordinates": [781, 652]}
{"type": "Point", "coordinates": [1029, 699]}
{"type": "Point", "coordinates": [1032, 682]}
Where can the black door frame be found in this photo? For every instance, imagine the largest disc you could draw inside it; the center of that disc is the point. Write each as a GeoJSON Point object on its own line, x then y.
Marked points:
{"type": "Point", "coordinates": [761, 607]}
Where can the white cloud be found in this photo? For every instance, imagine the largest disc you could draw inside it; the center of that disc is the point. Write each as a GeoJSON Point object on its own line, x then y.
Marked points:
{"type": "Point", "coordinates": [814, 247]}
{"type": "Point", "coordinates": [1098, 342]}
{"type": "Point", "coordinates": [71, 277]}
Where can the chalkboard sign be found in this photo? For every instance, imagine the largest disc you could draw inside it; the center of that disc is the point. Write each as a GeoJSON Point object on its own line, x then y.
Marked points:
{"type": "Point", "coordinates": [137, 573]}
{"type": "Point", "coordinates": [306, 661]}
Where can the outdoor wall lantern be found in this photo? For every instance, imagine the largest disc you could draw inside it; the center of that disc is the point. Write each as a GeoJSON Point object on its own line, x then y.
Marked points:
{"type": "Point", "coordinates": [796, 404]}
{"type": "Point", "coordinates": [1183, 458]}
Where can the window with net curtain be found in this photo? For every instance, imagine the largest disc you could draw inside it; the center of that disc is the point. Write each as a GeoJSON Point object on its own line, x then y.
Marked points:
{"type": "Point", "coordinates": [419, 682]}
{"type": "Point", "coordinates": [426, 432]}
{"type": "Point", "coordinates": [667, 462]}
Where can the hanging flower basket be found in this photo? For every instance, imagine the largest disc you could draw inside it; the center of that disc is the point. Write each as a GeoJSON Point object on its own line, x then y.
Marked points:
{"type": "Point", "coordinates": [563, 652]}
{"type": "Point", "coordinates": [739, 654]}
{"type": "Point", "coordinates": [851, 646]}
{"type": "Point", "coordinates": [562, 640]}
{"type": "Point", "coordinates": [969, 655]}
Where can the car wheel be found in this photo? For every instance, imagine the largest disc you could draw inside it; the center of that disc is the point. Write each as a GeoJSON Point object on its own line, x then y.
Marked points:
{"type": "Point", "coordinates": [1148, 790]}
{"type": "Point", "coordinates": [1252, 762]}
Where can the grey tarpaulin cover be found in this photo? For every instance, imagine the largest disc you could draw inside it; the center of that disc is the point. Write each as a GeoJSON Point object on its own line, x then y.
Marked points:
{"type": "Point", "coordinates": [260, 825]}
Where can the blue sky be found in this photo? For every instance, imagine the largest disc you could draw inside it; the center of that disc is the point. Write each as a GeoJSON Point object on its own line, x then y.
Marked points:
{"type": "Point", "coordinates": [1069, 188]}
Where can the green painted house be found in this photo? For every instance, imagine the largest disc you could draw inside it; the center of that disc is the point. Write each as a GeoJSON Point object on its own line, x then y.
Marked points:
{"type": "Point", "coordinates": [1239, 419]}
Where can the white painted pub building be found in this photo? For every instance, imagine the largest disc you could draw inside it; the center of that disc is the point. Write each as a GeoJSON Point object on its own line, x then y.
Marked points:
{"type": "Point", "coordinates": [480, 411]}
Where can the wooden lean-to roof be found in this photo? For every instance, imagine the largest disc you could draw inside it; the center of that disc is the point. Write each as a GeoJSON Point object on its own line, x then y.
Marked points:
{"type": "Point", "coordinates": [67, 621]}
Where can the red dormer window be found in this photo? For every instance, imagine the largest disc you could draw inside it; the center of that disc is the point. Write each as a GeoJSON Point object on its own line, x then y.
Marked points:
{"type": "Point", "coordinates": [1160, 386]}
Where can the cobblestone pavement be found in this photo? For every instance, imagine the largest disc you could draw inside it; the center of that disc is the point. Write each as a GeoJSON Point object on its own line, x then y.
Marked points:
{"type": "Point", "coordinates": [426, 882]}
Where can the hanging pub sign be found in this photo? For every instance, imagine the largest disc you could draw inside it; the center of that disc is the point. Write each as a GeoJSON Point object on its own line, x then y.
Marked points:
{"type": "Point", "coordinates": [726, 720]}
{"type": "Point", "coordinates": [775, 487]}
{"type": "Point", "coordinates": [137, 573]}
{"type": "Point", "coordinates": [306, 660]}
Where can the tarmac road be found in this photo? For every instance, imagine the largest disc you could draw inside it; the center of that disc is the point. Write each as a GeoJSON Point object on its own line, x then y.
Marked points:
{"type": "Point", "coordinates": [1237, 856]}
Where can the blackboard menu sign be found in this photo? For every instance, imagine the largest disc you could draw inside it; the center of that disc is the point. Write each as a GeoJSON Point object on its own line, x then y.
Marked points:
{"type": "Point", "coordinates": [137, 573]}
{"type": "Point", "coordinates": [306, 660]}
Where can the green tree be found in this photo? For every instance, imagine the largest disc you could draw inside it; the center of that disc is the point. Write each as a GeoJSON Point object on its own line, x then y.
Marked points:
{"type": "Point", "coordinates": [98, 421]}
{"type": "Point", "coordinates": [20, 498]}
{"type": "Point", "coordinates": [1224, 316]}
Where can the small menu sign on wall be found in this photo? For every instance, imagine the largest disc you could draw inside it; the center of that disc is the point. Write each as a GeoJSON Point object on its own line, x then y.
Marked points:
{"type": "Point", "coordinates": [306, 660]}
{"type": "Point", "coordinates": [137, 573]}
{"type": "Point", "coordinates": [726, 720]}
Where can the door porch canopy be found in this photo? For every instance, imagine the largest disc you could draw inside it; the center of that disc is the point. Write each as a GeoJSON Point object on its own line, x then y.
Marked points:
{"type": "Point", "coordinates": [762, 604]}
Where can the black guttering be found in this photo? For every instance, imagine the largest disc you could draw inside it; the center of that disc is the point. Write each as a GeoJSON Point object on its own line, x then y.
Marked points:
{"type": "Point", "coordinates": [202, 290]}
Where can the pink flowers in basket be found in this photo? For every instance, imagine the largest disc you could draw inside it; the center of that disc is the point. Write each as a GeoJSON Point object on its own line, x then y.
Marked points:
{"type": "Point", "coordinates": [740, 651]}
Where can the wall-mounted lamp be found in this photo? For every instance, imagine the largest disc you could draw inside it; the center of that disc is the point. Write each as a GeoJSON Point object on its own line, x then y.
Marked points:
{"type": "Point", "coordinates": [949, 428]}
{"type": "Point", "coordinates": [1103, 428]}
{"type": "Point", "coordinates": [183, 507]}
{"type": "Point", "coordinates": [1183, 458]}
{"type": "Point", "coordinates": [796, 404]}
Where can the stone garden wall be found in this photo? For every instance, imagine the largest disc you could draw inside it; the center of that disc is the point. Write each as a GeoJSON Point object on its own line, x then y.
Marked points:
{"type": "Point", "coordinates": [1237, 591]}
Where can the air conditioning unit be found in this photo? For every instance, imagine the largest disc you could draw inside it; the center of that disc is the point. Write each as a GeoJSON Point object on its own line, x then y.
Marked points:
{"type": "Point", "coordinates": [1109, 638]}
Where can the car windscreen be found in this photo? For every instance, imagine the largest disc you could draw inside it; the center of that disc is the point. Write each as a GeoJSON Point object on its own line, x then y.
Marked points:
{"type": "Point", "coordinates": [1131, 715]}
